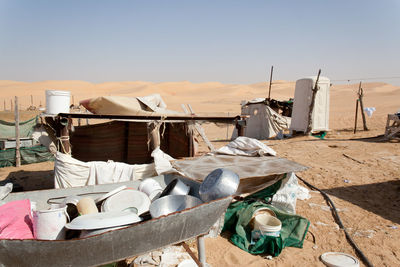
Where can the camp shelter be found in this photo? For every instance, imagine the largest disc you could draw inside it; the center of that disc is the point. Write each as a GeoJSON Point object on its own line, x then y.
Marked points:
{"type": "Point", "coordinates": [262, 121]}
{"type": "Point", "coordinates": [131, 141]}
{"type": "Point", "coordinates": [31, 151]}
{"type": "Point", "coordinates": [302, 100]}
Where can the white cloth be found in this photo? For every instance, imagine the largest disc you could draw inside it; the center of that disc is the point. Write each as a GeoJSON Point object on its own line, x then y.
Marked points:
{"type": "Point", "coordinates": [70, 172]}
{"type": "Point", "coordinates": [162, 161]}
{"type": "Point", "coordinates": [246, 146]}
{"type": "Point", "coordinates": [369, 111]}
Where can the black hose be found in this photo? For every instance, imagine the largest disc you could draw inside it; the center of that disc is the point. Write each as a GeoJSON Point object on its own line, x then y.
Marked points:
{"type": "Point", "coordinates": [336, 216]}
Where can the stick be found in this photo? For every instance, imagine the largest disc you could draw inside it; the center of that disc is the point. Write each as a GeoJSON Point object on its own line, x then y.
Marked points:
{"type": "Point", "coordinates": [362, 108]}
{"type": "Point", "coordinates": [356, 160]}
{"type": "Point", "coordinates": [314, 93]}
{"type": "Point", "coordinates": [17, 144]}
{"type": "Point", "coordinates": [270, 83]}
{"type": "Point", "coordinates": [355, 120]}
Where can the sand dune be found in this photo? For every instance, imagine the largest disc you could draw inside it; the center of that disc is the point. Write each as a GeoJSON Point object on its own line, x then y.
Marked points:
{"type": "Point", "coordinates": [212, 97]}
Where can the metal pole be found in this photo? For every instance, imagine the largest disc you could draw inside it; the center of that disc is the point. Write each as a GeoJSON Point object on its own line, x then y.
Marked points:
{"type": "Point", "coordinates": [17, 142]}
{"type": "Point", "coordinates": [270, 83]}
{"type": "Point", "coordinates": [201, 248]}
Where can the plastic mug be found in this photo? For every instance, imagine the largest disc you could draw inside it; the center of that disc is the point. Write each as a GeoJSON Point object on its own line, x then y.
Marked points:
{"type": "Point", "coordinates": [49, 224]}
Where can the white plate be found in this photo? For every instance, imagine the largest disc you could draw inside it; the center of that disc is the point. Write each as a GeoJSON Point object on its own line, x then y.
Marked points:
{"type": "Point", "coordinates": [109, 194]}
{"type": "Point", "coordinates": [126, 199]}
{"type": "Point", "coordinates": [339, 259]}
{"type": "Point", "coordinates": [103, 220]}
{"type": "Point", "coordinates": [187, 263]}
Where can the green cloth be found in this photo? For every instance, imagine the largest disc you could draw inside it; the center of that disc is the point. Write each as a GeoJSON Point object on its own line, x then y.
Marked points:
{"type": "Point", "coordinates": [239, 214]}
{"type": "Point", "coordinates": [7, 129]}
{"type": "Point", "coordinates": [29, 155]}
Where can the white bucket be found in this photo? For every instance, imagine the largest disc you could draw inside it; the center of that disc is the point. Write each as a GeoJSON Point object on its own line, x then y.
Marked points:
{"type": "Point", "coordinates": [267, 224]}
{"type": "Point", "coordinates": [49, 224]}
{"type": "Point", "coordinates": [57, 101]}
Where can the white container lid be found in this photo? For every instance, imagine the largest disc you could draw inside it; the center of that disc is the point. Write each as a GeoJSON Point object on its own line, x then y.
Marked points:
{"type": "Point", "coordinates": [339, 259]}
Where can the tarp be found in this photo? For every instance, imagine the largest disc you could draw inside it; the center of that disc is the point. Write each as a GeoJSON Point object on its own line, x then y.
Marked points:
{"type": "Point", "coordinates": [255, 173]}
{"type": "Point", "coordinates": [7, 129]}
{"type": "Point", "coordinates": [70, 172]}
{"type": "Point", "coordinates": [122, 105]}
{"type": "Point", "coordinates": [29, 155]}
{"type": "Point", "coordinates": [263, 122]}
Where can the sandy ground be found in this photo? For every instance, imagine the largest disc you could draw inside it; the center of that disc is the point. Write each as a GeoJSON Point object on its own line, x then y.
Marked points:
{"type": "Point", "coordinates": [359, 171]}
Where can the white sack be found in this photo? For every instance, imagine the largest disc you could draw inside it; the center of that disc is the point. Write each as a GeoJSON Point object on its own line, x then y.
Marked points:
{"type": "Point", "coordinates": [285, 198]}
{"type": "Point", "coordinates": [70, 172]}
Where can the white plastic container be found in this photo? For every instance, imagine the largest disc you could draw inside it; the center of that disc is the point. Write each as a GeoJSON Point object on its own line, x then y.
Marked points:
{"type": "Point", "coordinates": [49, 224]}
{"type": "Point", "coordinates": [57, 102]}
{"type": "Point", "coordinates": [267, 224]}
{"type": "Point", "coordinates": [151, 188]}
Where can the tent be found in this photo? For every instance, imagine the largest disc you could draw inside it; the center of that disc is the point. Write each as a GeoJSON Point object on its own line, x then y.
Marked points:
{"type": "Point", "coordinates": [302, 101]}
{"type": "Point", "coordinates": [263, 121]}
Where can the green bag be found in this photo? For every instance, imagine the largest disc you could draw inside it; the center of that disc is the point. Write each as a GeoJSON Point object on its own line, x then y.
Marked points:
{"type": "Point", "coordinates": [239, 214]}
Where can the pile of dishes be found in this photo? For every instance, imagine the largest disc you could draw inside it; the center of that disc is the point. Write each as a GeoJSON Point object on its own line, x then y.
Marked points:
{"type": "Point", "coordinates": [87, 216]}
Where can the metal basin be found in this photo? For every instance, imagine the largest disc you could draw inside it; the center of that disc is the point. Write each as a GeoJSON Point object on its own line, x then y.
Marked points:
{"type": "Point", "coordinates": [218, 184]}
{"type": "Point", "coordinates": [172, 203]}
{"type": "Point", "coordinates": [175, 187]}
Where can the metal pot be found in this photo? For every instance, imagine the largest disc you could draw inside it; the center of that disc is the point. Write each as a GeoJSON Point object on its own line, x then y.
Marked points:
{"type": "Point", "coordinates": [175, 187]}
{"type": "Point", "coordinates": [172, 203]}
{"type": "Point", "coordinates": [218, 184]}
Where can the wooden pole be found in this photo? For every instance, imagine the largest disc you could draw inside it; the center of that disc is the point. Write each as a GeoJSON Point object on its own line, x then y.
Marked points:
{"type": "Point", "coordinates": [362, 108]}
{"type": "Point", "coordinates": [4, 105]}
{"type": "Point", "coordinates": [31, 100]}
{"type": "Point", "coordinates": [314, 93]}
{"type": "Point", "coordinates": [11, 107]}
{"type": "Point", "coordinates": [355, 120]}
{"type": "Point", "coordinates": [270, 83]}
{"type": "Point", "coordinates": [17, 146]}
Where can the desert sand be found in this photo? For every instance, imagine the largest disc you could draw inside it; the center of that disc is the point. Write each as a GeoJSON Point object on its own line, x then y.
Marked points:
{"type": "Point", "coordinates": [359, 171]}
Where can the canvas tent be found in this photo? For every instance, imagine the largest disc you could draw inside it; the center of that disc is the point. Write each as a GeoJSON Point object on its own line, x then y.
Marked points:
{"type": "Point", "coordinates": [302, 101]}
{"type": "Point", "coordinates": [262, 122]}
{"type": "Point", "coordinates": [34, 143]}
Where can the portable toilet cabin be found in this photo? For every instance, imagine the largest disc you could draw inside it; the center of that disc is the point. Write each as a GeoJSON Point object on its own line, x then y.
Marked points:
{"type": "Point", "coordinates": [301, 105]}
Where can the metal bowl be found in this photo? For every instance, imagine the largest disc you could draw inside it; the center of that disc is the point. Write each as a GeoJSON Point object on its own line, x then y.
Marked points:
{"type": "Point", "coordinates": [218, 184]}
{"type": "Point", "coordinates": [175, 187]}
{"type": "Point", "coordinates": [172, 203]}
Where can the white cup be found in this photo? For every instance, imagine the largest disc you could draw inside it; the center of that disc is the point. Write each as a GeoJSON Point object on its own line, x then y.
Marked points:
{"type": "Point", "coordinates": [150, 187]}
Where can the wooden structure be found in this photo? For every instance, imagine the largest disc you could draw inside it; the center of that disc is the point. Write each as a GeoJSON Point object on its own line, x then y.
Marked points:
{"type": "Point", "coordinates": [360, 94]}
{"type": "Point", "coordinates": [392, 130]}
{"type": "Point", "coordinates": [129, 139]}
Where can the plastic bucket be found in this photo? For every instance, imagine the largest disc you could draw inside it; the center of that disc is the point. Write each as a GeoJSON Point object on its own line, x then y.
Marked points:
{"type": "Point", "coordinates": [49, 224]}
{"type": "Point", "coordinates": [267, 224]}
{"type": "Point", "coordinates": [57, 101]}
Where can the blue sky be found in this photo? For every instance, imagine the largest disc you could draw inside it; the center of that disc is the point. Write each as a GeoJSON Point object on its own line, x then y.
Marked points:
{"type": "Point", "coordinates": [199, 41]}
